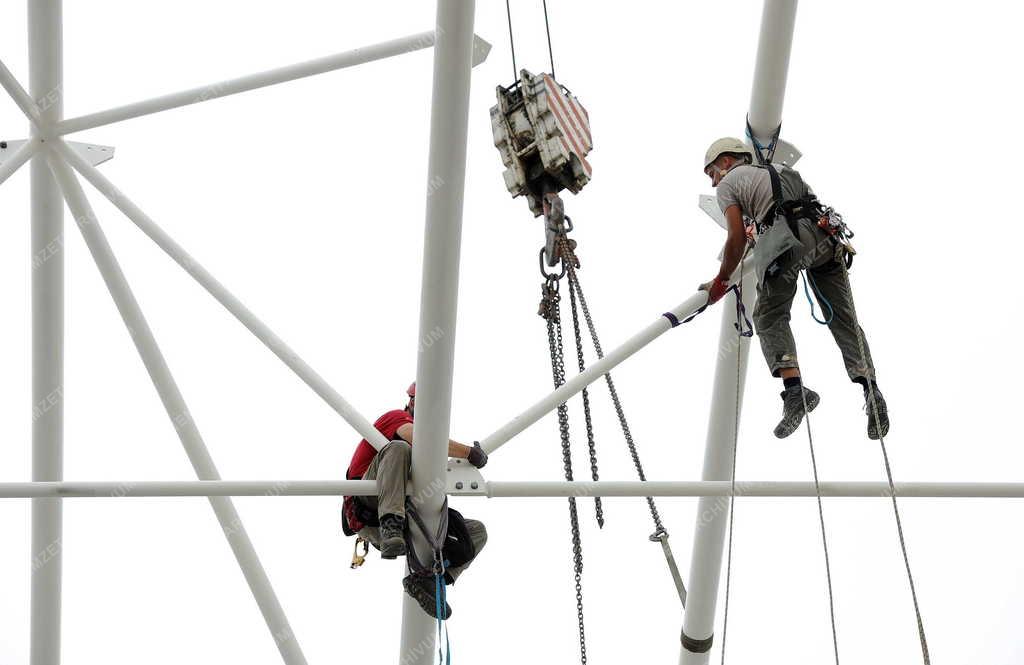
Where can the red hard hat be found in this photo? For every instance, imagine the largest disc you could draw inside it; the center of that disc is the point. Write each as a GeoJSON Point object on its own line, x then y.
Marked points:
{"type": "Point", "coordinates": [411, 392]}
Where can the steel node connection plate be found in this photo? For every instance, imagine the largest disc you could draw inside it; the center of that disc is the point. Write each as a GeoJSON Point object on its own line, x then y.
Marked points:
{"type": "Point", "coordinates": [464, 479]}
{"type": "Point", "coordinates": [90, 152]}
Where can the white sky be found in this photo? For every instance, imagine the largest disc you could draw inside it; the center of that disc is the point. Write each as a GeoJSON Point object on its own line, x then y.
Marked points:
{"type": "Point", "coordinates": [307, 201]}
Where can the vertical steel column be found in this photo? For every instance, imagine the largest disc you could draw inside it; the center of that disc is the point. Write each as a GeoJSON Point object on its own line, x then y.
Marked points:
{"type": "Point", "coordinates": [771, 68]}
{"type": "Point", "coordinates": [713, 512]}
{"type": "Point", "coordinates": [446, 176]}
{"type": "Point", "coordinates": [45, 44]}
{"type": "Point", "coordinates": [765, 114]}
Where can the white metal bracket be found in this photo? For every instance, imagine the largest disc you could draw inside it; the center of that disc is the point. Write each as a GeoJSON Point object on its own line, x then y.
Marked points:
{"type": "Point", "coordinates": [481, 47]}
{"type": "Point", "coordinates": [464, 479]}
{"type": "Point", "coordinates": [90, 152]}
{"type": "Point", "coordinates": [786, 153]}
{"type": "Point", "coordinates": [709, 204]}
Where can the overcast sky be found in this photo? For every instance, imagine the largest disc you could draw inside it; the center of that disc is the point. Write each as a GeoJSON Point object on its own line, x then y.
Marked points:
{"type": "Point", "coordinates": [307, 201]}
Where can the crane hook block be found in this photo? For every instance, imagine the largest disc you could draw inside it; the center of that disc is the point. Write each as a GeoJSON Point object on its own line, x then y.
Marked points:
{"type": "Point", "coordinates": [543, 134]}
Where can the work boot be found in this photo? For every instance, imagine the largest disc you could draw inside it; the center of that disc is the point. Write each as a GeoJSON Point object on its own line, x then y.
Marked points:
{"type": "Point", "coordinates": [392, 536]}
{"type": "Point", "coordinates": [793, 409]}
{"type": "Point", "coordinates": [424, 590]}
{"type": "Point", "coordinates": [883, 414]}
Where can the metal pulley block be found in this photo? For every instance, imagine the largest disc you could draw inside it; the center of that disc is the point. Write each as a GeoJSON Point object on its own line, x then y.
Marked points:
{"type": "Point", "coordinates": [543, 135]}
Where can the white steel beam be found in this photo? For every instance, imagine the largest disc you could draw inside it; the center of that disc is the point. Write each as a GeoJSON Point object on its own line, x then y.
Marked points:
{"type": "Point", "coordinates": [46, 78]}
{"type": "Point", "coordinates": [439, 291]}
{"type": "Point", "coordinates": [50, 95]}
{"type": "Point", "coordinates": [771, 68]}
{"type": "Point", "coordinates": [299, 70]}
{"type": "Point", "coordinates": [592, 373]}
{"type": "Point", "coordinates": [503, 489]}
{"type": "Point", "coordinates": [712, 516]}
{"type": "Point", "coordinates": [177, 410]}
{"type": "Point", "coordinates": [235, 306]}
{"type": "Point", "coordinates": [9, 163]}
{"type": "Point", "coordinates": [764, 116]}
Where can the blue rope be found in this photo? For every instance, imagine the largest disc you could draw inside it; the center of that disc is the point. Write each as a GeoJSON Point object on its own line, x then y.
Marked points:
{"type": "Point", "coordinates": [824, 300]}
{"type": "Point", "coordinates": [439, 603]}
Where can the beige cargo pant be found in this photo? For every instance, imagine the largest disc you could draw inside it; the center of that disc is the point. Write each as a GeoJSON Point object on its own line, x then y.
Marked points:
{"type": "Point", "coordinates": [390, 467]}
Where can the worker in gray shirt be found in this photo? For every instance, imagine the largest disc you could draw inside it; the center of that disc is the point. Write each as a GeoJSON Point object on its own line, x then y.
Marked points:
{"type": "Point", "coordinates": [785, 245]}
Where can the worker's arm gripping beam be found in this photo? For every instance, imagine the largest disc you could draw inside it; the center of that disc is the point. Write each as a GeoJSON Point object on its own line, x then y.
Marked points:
{"type": "Point", "coordinates": [597, 370]}
{"type": "Point", "coordinates": [359, 56]}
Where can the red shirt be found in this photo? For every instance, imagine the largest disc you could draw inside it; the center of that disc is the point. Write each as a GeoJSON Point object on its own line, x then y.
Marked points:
{"type": "Point", "coordinates": [387, 425]}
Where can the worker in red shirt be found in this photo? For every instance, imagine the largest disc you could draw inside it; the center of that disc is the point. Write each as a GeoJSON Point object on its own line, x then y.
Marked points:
{"type": "Point", "coordinates": [380, 520]}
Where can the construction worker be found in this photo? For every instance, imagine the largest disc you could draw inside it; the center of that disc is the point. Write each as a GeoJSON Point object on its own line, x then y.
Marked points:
{"type": "Point", "coordinates": [381, 520]}
{"type": "Point", "coordinates": [784, 246]}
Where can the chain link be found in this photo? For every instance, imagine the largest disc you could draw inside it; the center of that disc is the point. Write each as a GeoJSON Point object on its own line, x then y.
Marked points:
{"type": "Point", "coordinates": [551, 311]}
{"type": "Point", "coordinates": [574, 284]}
{"type": "Point", "coordinates": [591, 446]}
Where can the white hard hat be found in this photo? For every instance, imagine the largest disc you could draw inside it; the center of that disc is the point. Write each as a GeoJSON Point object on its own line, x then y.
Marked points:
{"type": "Point", "coordinates": [727, 145]}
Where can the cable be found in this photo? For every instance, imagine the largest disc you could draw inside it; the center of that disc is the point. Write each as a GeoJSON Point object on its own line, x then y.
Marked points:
{"type": "Point", "coordinates": [547, 27]}
{"type": "Point", "coordinates": [512, 43]}
{"type": "Point", "coordinates": [821, 519]}
{"type": "Point", "coordinates": [888, 471]}
{"type": "Point", "coordinates": [735, 447]}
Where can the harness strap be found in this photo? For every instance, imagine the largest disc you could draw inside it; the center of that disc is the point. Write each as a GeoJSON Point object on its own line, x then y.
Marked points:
{"type": "Point", "coordinates": [759, 150]}
{"type": "Point", "coordinates": [743, 324]}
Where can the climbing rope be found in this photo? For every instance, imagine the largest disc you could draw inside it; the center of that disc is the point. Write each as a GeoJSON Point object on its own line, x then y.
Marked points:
{"type": "Point", "coordinates": [735, 449]}
{"type": "Point", "coordinates": [821, 520]}
{"type": "Point", "coordinates": [888, 472]}
{"type": "Point", "coordinates": [805, 275]}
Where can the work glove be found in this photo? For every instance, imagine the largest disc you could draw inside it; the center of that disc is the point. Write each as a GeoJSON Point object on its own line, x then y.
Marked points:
{"type": "Point", "coordinates": [716, 288]}
{"type": "Point", "coordinates": [477, 457]}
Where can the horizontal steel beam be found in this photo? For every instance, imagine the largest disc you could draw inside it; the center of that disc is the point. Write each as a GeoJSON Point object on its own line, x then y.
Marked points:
{"type": "Point", "coordinates": [293, 72]}
{"type": "Point", "coordinates": [517, 489]}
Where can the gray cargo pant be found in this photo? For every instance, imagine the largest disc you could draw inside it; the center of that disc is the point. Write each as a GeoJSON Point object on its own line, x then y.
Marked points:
{"type": "Point", "coordinates": [390, 467]}
{"type": "Point", "coordinates": [775, 299]}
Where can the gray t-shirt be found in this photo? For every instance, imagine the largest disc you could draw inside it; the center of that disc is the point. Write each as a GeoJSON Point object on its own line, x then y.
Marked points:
{"type": "Point", "coordinates": [750, 188]}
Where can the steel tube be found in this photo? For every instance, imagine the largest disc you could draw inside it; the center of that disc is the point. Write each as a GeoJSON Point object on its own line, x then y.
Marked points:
{"type": "Point", "coordinates": [771, 68]}
{"type": "Point", "coordinates": [17, 159]}
{"type": "Point", "coordinates": [764, 116]}
{"type": "Point", "coordinates": [713, 513]}
{"type": "Point", "coordinates": [592, 373]}
{"type": "Point", "coordinates": [177, 410]}
{"type": "Point", "coordinates": [753, 488]}
{"type": "Point", "coordinates": [46, 77]}
{"type": "Point", "coordinates": [503, 489]}
{"type": "Point", "coordinates": [46, 42]}
{"type": "Point", "coordinates": [439, 292]}
{"type": "Point", "coordinates": [235, 306]}
{"type": "Point", "coordinates": [204, 93]}
{"type": "Point", "coordinates": [189, 488]}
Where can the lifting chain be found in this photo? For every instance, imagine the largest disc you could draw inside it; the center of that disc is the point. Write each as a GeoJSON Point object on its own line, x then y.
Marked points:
{"type": "Point", "coordinates": [660, 534]}
{"type": "Point", "coordinates": [550, 309]}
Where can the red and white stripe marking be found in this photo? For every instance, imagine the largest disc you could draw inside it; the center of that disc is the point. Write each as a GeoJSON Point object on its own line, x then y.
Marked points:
{"type": "Point", "coordinates": [572, 121]}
